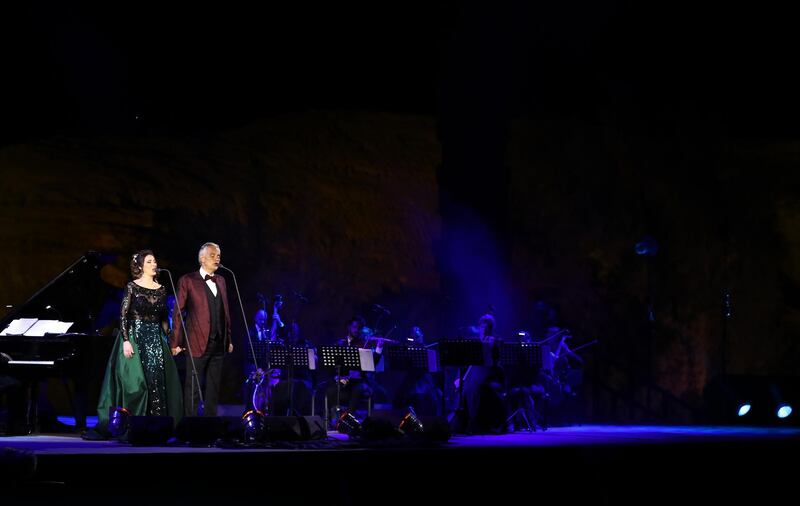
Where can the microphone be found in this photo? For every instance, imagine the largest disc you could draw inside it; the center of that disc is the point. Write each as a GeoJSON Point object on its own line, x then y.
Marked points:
{"type": "Point", "coordinates": [179, 311]}
{"type": "Point", "coordinates": [300, 296]}
{"type": "Point", "coordinates": [244, 318]}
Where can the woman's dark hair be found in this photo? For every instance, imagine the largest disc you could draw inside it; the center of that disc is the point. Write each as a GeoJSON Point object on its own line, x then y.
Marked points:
{"type": "Point", "coordinates": [137, 262]}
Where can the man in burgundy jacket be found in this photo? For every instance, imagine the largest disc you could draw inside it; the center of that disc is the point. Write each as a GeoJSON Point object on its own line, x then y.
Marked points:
{"type": "Point", "coordinates": [203, 296]}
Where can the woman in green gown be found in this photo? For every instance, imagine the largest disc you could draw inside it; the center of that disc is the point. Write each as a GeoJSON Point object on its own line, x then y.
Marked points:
{"type": "Point", "coordinates": [141, 375]}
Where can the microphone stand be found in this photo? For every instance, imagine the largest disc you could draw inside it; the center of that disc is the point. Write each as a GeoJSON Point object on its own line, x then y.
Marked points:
{"type": "Point", "coordinates": [246, 328]}
{"type": "Point", "coordinates": [179, 309]}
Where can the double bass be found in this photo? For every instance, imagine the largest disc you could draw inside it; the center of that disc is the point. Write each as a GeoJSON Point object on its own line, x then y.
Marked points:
{"type": "Point", "coordinates": [265, 380]}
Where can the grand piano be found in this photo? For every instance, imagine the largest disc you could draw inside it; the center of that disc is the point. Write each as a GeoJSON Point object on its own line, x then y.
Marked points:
{"type": "Point", "coordinates": [77, 356]}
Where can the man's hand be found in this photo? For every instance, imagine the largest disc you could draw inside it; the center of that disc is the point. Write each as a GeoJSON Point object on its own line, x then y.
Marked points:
{"type": "Point", "coordinates": [176, 350]}
{"type": "Point", "coordinates": [230, 348]}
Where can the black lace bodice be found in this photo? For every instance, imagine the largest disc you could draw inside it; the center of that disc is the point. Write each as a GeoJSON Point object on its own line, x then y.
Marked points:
{"type": "Point", "coordinates": [143, 304]}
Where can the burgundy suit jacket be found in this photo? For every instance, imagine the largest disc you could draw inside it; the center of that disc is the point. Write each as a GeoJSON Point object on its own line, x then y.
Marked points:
{"type": "Point", "coordinates": [192, 298]}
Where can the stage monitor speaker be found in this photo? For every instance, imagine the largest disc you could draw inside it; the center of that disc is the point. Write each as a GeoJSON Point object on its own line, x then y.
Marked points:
{"type": "Point", "coordinates": [436, 428]}
{"type": "Point", "coordinates": [200, 430]}
{"type": "Point", "coordinates": [150, 430]}
{"type": "Point", "coordinates": [382, 424]}
{"type": "Point", "coordinates": [294, 428]}
{"type": "Point", "coordinates": [315, 426]}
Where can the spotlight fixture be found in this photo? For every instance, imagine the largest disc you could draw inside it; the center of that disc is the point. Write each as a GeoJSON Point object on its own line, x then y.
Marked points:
{"type": "Point", "coordinates": [744, 408]}
{"type": "Point", "coordinates": [784, 410]}
{"type": "Point", "coordinates": [118, 421]}
{"type": "Point", "coordinates": [348, 424]}
{"type": "Point", "coordinates": [647, 246]}
{"type": "Point", "coordinates": [254, 426]}
{"type": "Point", "coordinates": [410, 424]}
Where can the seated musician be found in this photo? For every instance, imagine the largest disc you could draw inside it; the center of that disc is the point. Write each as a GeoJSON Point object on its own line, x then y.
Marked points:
{"type": "Point", "coordinates": [418, 388]}
{"type": "Point", "coordinates": [484, 387]}
{"type": "Point", "coordinates": [354, 385]}
{"type": "Point", "coordinates": [553, 384]}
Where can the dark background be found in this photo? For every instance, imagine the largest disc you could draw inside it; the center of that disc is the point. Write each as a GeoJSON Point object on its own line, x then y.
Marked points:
{"type": "Point", "coordinates": [438, 159]}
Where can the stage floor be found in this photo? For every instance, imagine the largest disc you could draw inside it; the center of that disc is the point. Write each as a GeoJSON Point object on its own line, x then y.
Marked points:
{"type": "Point", "coordinates": [604, 464]}
{"type": "Point", "coordinates": [586, 435]}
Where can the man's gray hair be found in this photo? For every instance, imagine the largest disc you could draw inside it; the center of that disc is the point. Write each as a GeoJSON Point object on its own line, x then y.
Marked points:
{"type": "Point", "coordinates": [204, 247]}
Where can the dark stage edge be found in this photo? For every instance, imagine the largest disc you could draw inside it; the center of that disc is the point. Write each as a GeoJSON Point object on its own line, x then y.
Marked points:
{"type": "Point", "coordinates": [600, 464]}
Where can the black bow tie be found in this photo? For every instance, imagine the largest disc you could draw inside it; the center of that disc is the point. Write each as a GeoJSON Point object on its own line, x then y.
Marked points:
{"type": "Point", "coordinates": [212, 278]}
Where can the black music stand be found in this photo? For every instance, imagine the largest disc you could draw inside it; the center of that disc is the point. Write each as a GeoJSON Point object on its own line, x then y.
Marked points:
{"type": "Point", "coordinates": [279, 355]}
{"type": "Point", "coordinates": [461, 353]}
{"type": "Point", "coordinates": [341, 357]}
{"type": "Point", "coordinates": [406, 358]}
{"type": "Point", "coordinates": [527, 356]}
{"type": "Point", "coordinates": [519, 354]}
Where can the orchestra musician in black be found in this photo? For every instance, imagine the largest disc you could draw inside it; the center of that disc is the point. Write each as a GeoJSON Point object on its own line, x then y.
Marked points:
{"type": "Point", "coordinates": [257, 378]}
{"type": "Point", "coordinates": [282, 390]}
{"type": "Point", "coordinates": [354, 386]}
{"type": "Point", "coordinates": [418, 388]}
{"type": "Point", "coordinates": [484, 386]}
{"type": "Point", "coordinates": [554, 388]}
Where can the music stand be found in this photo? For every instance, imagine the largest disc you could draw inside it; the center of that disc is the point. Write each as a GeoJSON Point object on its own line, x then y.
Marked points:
{"type": "Point", "coordinates": [279, 355]}
{"type": "Point", "coordinates": [407, 358]}
{"type": "Point", "coordinates": [527, 356]}
{"type": "Point", "coordinates": [519, 354]}
{"type": "Point", "coordinates": [347, 357]}
{"type": "Point", "coordinates": [462, 353]}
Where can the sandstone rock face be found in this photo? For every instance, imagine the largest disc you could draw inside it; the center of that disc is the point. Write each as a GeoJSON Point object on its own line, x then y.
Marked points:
{"type": "Point", "coordinates": [341, 208]}
{"type": "Point", "coordinates": [725, 216]}
{"type": "Point", "coordinates": [344, 208]}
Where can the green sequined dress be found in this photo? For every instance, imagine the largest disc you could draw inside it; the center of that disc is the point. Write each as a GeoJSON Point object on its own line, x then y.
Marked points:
{"type": "Point", "coordinates": [148, 382]}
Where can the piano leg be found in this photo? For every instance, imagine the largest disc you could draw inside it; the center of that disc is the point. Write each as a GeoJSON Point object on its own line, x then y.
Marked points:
{"type": "Point", "coordinates": [80, 402]}
{"type": "Point", "coordinates": [29, 401]}
{"type": "Point", "coordinates": [15, 395]}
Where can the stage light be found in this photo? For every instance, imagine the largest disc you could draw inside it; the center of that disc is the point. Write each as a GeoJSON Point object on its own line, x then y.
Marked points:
{"type": "Point", "coordinates": [784, 410]}
{"type": "Point", "coordinates": [254, 426]}
{"type": "Point", "coordinates": [647, 246]}
{"type": "Point", "coordinates": [118, 421]}
{"type": "Point", "coordinates": [410, 424]}
{"type": "Point", "coordinates": [744, 409]}
{"type": "Point", "coordinates": [348, 424]}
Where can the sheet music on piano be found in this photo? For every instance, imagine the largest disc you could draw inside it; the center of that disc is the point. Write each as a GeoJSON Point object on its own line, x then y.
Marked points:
{"type": "Point", "coordinates": [18, 327]}
{"type": "Point", "coordinates": [43, 327]}
{"type": "Point", "coordinates": [34, 327]}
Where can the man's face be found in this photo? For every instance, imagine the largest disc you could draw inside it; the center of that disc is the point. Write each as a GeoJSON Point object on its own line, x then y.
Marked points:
{"type": "Point", "coordinates": [210, 259]}
{"type": "Point", "coordinates": [355, 329]}
{"type": "Point", "coordinates": [261, 319]}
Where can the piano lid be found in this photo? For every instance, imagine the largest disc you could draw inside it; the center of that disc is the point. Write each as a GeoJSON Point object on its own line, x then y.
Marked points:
{"type": "Point", "coordinates": [75, 295]}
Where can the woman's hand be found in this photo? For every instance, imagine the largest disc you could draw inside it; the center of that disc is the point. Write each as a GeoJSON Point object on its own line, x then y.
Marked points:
{"type": "Point", "coordinates": [127, 349]}
{"type": "Point", "coordinates": [176, 350]}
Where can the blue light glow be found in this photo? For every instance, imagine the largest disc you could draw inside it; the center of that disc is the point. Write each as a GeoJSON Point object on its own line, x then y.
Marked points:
{"type": "Point", "coordinates": [744, 409]}
{"type": "Point", "coordinates": [784, 410]}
